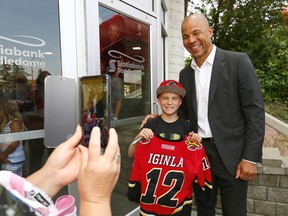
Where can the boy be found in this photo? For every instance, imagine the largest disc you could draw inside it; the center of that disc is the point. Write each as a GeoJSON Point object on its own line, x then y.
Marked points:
{"type": "Point", "coordinates": [166, 161]}
{"type": "Point", "coordinates": [169, 96]}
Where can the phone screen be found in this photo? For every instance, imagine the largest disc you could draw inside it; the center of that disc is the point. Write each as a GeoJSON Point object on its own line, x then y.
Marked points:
{"type": "Point", "coordinates": [95, 106]}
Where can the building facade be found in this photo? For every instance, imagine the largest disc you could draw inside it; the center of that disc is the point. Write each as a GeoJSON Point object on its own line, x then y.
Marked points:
{"type": "Point", "coordinates": [139, 42]}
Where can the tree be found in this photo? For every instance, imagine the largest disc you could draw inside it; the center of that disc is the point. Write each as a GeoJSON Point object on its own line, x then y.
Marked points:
{"type": "Point", "coordinates": [237, 23]}
{"type": "Point", "coordinates": [273, 75]}
{"type": "Point", "coordinates": [258, 28]}
{"type": "Point", "coordinates": [9, 72]}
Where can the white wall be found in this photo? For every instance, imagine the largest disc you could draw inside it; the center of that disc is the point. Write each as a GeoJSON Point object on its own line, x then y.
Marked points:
{"type": "Point", "coordinates": [176, 49]}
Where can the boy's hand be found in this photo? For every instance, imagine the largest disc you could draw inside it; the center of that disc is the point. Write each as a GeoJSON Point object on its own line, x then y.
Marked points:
{"type": "Point", "coordinates": [146, 133]}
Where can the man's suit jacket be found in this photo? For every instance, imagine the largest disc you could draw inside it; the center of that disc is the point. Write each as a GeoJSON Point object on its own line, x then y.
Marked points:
{"type": "Point", "coordinates": [235, 107]}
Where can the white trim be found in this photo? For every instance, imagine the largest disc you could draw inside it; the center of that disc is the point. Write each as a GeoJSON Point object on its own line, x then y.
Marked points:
{"type": "Point", "coordinates": [93, 45]}
{"type": "Point", "coordinates": [139, 5]}
{"type": "Point", "coordinates": [26, 135]}
{"type": "Point", "coordinates": [72, 31]}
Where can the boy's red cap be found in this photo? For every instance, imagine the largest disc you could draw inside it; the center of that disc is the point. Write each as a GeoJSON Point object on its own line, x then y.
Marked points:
{"type": "Point", "coordinates": [171, 86]}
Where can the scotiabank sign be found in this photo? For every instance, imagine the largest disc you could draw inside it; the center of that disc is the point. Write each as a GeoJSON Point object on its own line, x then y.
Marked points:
{"type": "Point", "coordinates": [131, 63]}
{"type": "Point", "coordinates": [123, 44]}
{"type": "Point", "coordinates": [28, 57]}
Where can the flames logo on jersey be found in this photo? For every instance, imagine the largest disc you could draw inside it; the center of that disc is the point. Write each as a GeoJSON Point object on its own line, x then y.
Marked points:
{"type": "Point", "coordinates": [192, 145]}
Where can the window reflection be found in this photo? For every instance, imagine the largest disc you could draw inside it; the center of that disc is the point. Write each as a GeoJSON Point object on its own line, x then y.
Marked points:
{"type": "Point", "coordinates": [12, 154]}
{"type": "Point", "coordinates": [124, 44]}
{"type": "Point", "coordinates": [29, 51]}
{"type": "Point", "coordinates": [29, 48]}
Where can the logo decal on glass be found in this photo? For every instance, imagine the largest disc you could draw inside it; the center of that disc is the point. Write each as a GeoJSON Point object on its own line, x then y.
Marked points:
{"type": "Point", "coordinates": [42, 42]}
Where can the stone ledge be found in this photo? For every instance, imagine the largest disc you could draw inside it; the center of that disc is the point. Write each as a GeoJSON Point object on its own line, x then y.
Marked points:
{"type": "Point", "coordinates": [276, 124]}
{"type": "Point", "coordinates": [271, 157]}
{"type": "Point", "coordinates": [274, 170]}
{"type": "Point", "coordinates": [285, 163]}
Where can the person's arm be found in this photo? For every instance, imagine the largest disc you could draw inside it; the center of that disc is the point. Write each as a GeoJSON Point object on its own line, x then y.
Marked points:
{"type": "Point", "coordinates": [3, 158]}
{"type": "Point", "coordinates": [61, 168]}
{"type": "Point", "coordinates": [98, 174]}
{"type": "Point", "coordinates": [15, 126]}
{"type": "Point", "coordinates": [252, 106]}
{"type": "Point", "coordinates": [11, 148]}
{"type": "Point", "coordinates": [145, 133]}
{"type": "Point", "coordinates": [147, 117]}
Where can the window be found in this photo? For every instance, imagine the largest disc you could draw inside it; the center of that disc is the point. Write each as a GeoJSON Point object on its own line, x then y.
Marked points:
{"type": "Point", "coordinates": [29, 52]}
{"type": "Point", "coordinates": [124, 47]}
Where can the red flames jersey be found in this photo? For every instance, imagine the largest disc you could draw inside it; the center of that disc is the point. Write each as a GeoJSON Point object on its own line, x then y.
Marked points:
{"type": "Point", "coordinates": [162, 175]}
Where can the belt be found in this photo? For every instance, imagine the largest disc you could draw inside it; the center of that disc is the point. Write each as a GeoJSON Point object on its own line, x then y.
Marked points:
{"type": "Point", "coordinates": [208, 139]}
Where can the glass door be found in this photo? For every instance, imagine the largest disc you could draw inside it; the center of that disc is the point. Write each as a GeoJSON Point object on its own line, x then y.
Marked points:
{"type": "Point", "coordinates": [125, 57]}
{"type": "Point", "coordinates": [125, 52]}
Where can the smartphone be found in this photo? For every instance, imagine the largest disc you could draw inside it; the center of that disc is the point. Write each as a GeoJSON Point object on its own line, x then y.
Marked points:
{"type": "Point", "coordinates": [60, 109]}
{"type": "Point", "coordinates": [95, 106]}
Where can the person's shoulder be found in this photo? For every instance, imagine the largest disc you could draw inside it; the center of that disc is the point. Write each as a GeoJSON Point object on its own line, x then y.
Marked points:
{"type": "Point", "coordinates": [152, 121]}
{"type": "Point", "coordinates": [14, 121]}
{"type": "Point", "coordinates": [230, 53]}
{"type": "Point", "coordinates": [16, 125]}
{"type": "Point", "coordinates": [186, 69]}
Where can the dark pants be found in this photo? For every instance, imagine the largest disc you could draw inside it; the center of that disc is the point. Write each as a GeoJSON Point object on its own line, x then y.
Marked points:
{"type": "Point", "coordinates": [233, 192]}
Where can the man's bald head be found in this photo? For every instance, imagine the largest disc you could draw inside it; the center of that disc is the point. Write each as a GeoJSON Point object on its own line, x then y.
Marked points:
{"type": "Point", "coordinates": [199, 17]}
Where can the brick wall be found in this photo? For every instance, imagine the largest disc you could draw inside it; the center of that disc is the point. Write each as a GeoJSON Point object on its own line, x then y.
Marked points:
{"type": "Point", "coordinates": [268, 193]}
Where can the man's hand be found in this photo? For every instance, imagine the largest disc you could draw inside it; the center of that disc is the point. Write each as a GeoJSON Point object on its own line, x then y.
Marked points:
{"type": "Point", "coordinates": [246, 171]}
{"type": "Point", "coordinates": [147, 117]}
{"type": "Point", "coordinates": [195, 137]}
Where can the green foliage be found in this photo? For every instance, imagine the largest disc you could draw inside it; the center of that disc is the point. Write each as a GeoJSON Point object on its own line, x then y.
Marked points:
{"type": "Point", "coordinates": [273, 75]}
{"type": "Point", "coordinates": [9, 72]}
{"type": "Point", "coordinates": [258, 29]}
{"type": "Point", "coordinates": [188, 60]}
{"type": "Point", "coordinates": [278, 110]}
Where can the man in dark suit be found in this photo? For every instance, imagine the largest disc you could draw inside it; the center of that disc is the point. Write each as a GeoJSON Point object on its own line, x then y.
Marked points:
{"type": "Point", "coordinates": [225, 105]}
